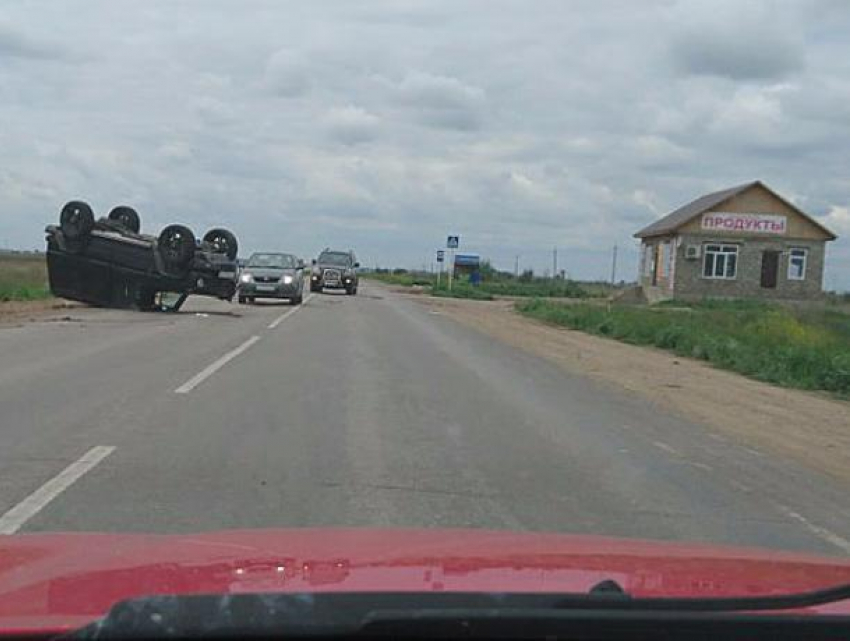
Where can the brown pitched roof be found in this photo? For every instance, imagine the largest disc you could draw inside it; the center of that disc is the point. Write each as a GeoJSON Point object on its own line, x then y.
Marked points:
{"type": "Point", "coordinates": [675, 219]}
{"type": "Point", "coordinates": [679, 217]}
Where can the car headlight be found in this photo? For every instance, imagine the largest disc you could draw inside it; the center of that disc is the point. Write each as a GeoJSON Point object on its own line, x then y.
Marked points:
{"type": "Point", "coordinates": [287, 280]}
{"type": "Point", "coordinates": [246, 278]}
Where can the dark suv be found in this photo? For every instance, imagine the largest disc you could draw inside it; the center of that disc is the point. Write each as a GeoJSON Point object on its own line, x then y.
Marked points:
{"type": "Point", "coordinates": [335, 270]}
{"type": "Point", "coordinates": [108, 262]}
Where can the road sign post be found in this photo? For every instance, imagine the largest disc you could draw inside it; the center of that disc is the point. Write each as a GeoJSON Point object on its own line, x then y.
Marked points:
{"type": "Point", "coordinates": [452, 243]}
{"type": "Point", "coordinates": [440, 256]}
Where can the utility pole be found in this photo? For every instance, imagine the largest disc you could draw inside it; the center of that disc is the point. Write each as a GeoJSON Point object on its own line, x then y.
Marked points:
{"type": "Point", "coordinates": [516, 266]}
{"type": "Point", "coordinates": [554, 263]}
{"type": "Point", "coordinates": [614, 267]}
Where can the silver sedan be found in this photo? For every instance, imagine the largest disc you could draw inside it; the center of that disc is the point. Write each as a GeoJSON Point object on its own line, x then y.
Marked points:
{"type": "Point", "coordinates": [272, 275]}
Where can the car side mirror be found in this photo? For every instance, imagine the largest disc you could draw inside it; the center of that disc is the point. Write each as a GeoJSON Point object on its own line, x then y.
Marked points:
{"type": "Point", "coordinates": [357, 264]}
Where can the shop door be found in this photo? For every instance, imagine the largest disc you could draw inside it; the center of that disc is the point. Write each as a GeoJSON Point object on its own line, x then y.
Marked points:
{"type": "Point", "coordinates": [656, 263]}
{"type": "Point", "coordinates": [769, 269]}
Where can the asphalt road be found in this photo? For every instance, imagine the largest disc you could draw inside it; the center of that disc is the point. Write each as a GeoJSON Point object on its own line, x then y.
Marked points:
{"type": "Point", "coordinates": [362, 411]}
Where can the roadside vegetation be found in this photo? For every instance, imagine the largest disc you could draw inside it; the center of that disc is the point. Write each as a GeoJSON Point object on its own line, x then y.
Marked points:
{"type": "Point", "coordinates": [23, 276]}
{"type": "Point", "coordinates": [401, 277]}
{"type": "Point", "coordinates": [802, 347]}
{"type": "Point", "coordinates": [494, 283]}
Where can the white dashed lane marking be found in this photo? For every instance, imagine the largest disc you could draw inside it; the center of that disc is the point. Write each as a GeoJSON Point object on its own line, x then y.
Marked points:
{"type": "Point", "coordinates": [665, 447]}
{"type": "Point", "coordinates": [211, 369]}
{"type": "Point", "coordinates": [15, 518]}
{"type": "Point", "coordinates": [827, 535]}
{"type": "Point", "coordinates": [277, 321]}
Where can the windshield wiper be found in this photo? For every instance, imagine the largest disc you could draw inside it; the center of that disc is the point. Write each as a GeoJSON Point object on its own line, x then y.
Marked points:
{"type": "Point", "coordinates": [608, 614]}
{"type": "Point", "coordinates": [610, 589]}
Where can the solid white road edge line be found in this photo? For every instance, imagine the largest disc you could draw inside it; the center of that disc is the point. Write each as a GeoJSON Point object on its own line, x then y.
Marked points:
{"type": "Point", "coordinates": [211, 369]}
{"type": "Point", "coordinates": [831, 537]}
{"type": "Point", "coordinates": [12, 520]}
{"type": "Point", "coordinates": [277, 321]}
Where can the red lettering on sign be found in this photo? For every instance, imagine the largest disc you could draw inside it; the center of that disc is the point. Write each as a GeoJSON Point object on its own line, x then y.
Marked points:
{"type": "Point", "coordinates": [764, 223]}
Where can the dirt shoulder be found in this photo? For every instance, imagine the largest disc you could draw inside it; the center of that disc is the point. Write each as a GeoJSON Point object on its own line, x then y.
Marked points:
{"type": "Point", "coordinates": [808, 427]}
{"type": "Point", "coordinates": [16, 312]}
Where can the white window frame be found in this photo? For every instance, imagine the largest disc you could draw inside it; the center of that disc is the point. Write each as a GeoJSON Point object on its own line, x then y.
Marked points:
{"type": "Point", "coordinates": [805, 266]}
{"type": "Point", "coordinates": [725, 250]}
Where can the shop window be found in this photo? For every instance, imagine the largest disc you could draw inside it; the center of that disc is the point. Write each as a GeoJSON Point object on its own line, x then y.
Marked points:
{"type": "Point", "coordinates": [721, 261]}
{"type": "Point", "coordinates": [797, 259]}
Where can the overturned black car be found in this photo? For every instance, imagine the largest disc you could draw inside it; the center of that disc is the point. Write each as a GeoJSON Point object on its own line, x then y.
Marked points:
{"type": "Point", "coordinates": [108, 262]}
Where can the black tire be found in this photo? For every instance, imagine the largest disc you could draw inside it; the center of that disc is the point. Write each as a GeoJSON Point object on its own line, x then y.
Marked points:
{"type": "Point", "coordinates": [176, 246]}
{"type": "Point", "coordinates": [242, 300]}
{"type": "Point", "coordinates": [222, 242]}
{"type": "Point", "coordinates": [146, 300]}
{"type": "Point", "coordinates": [76, 220]}
{"type": "Point", "coordinates": [315, 289]}
{"type": "Point", "coordinates": [298, 299]}
{"type": "Point", "coordinates": [127, 217]}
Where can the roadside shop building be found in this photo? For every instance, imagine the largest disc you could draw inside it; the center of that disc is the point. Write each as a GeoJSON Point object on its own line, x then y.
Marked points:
{"type": "Point", "coordinates": [742, 242]}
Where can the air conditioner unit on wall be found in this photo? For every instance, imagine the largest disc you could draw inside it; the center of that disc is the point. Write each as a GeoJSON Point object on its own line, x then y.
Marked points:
{"type": "Point", "coordinates": [692, 252]}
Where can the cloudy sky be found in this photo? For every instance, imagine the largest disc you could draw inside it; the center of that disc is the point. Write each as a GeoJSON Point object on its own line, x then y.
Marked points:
{"type": "Point", "coordinates": [385, 125]}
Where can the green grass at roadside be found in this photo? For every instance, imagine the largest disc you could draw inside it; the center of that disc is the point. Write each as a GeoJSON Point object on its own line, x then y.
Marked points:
{"type": "Point", "coordinates": [23, 277]}
{"type": "Point", "coordinates": [461, 290]}
{"type": "Point", "coordinates": [806, 348]}
{"type": "Point", "coordinates": [490, 288]}
{"type": "Point", "coordinates": [544, 288]}
{"type": "Point", "coordinates": [407, 279]}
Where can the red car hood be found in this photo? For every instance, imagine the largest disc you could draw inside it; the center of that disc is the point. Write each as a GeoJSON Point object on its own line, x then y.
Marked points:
{"type": "Point", "coordinates": [53, 582]}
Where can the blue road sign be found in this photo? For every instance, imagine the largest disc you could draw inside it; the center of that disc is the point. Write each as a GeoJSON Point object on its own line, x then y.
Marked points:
{"type": "Point", "coordinates": [467, 260]}
{"type": "Point", "coordinates": [453, 242]}
{"type": "Point", "coordinates": [440, 255]}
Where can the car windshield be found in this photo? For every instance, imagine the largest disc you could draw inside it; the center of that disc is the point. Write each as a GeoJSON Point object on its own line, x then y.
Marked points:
{"type": "Point", "coordinates": [439, 295]}
{"type": "Point", "coordinates": [335, 258]}
{"type": "Point", "coordinates": [273, 261]}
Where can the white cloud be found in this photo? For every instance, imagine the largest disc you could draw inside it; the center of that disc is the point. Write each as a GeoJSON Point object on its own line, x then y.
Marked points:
{"type": "Point", "coordinates": [351, 125]}
{"type": "Point", "coordinates": [837, 220]}
{"type": "Point", "coordinates": [752, 41]}
{"type": "Point", "coordinates": [442, 101]}
{"type": "Point", "coordinates": [15, 43]}
{"type": "Point", "coordinates": [648, 200]}
{"type": "Point", "coordinates": [287, 74]}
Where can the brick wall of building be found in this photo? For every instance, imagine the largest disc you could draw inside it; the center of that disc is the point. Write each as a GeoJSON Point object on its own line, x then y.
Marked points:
{"type": "Point", "coordinates": [690, 284]}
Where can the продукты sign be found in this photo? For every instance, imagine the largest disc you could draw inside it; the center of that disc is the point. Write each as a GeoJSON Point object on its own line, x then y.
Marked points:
{"type": "Point", "coordinates": [759, 223]}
